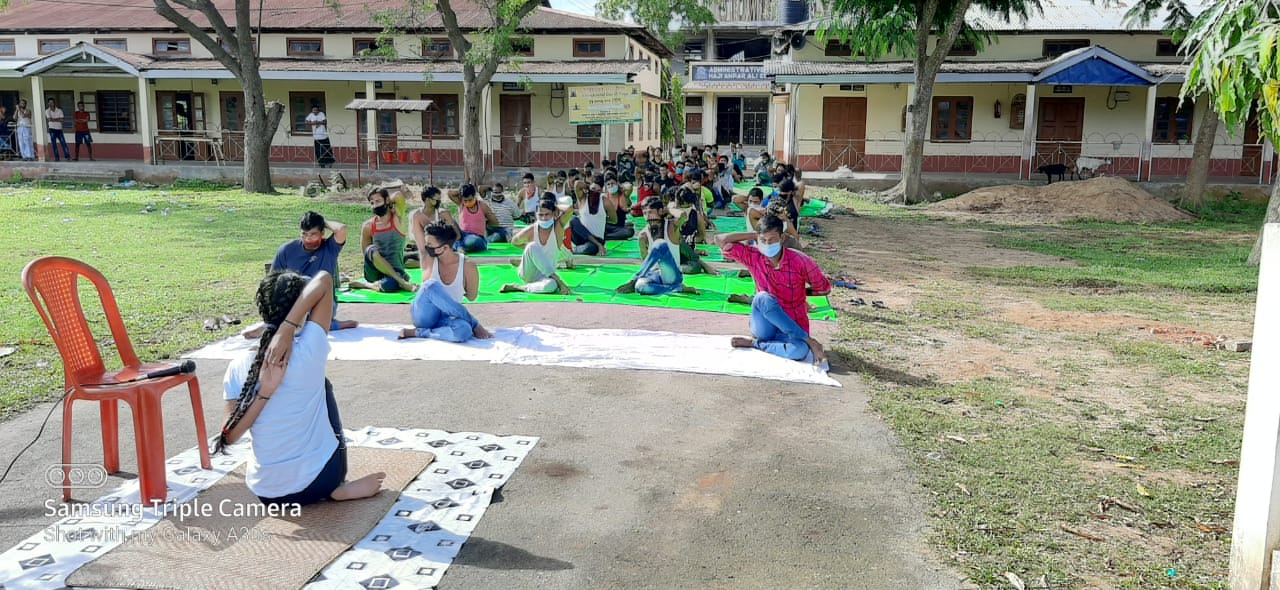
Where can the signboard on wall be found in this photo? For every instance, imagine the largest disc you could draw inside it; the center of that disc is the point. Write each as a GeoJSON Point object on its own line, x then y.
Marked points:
{"type": "Point", "coordinates": [729, 73]}
{"type": "Point", "coordinates": [607, 103]}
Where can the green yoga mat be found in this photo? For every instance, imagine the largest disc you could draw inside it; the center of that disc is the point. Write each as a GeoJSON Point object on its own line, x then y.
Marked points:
{"type": "Point", "coordinates": [596, 284]}
{"type": "Point", "coordinates": [617, 250]}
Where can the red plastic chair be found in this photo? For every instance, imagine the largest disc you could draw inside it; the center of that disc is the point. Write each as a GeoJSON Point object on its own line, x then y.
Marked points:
{"type": "Point", "coordinates": [53, 284]}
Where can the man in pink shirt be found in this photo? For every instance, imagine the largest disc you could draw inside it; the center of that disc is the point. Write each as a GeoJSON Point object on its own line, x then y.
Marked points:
{"type": "Point", "coordinates": [784, 278]}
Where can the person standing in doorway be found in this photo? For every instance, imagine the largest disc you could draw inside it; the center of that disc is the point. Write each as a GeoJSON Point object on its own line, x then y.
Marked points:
{"type": "Point", "coordinates": [320, 133]}
{"type": "Point", "coordinates": [25, 144]}
{"type": "Point", "coordinates": [53, 116]}
{"type": "Point", "coordinates": [80, 119]}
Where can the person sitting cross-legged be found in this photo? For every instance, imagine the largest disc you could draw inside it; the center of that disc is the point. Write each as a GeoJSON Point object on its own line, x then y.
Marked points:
{"type": "Point", "coordinates": [659, 274]}
{"type": "Point", "coordinates": [543, 244]}
{"type": "Point", "coordinates": [437, 309]}
{"type": "Point", "coordinates": [299, 454]}
{"type": "Point", "coordinates": [783, 277]}
{"type": "Point", "coordinates": [382, 239]}
{"type": "Point", "coordinates": [474, 219]}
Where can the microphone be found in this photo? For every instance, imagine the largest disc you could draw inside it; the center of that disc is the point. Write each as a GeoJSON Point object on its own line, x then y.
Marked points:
{"type": "Point", "coordinates": [187, 366]}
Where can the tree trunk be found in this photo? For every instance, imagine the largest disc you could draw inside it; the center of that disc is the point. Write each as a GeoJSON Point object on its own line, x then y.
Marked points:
{"type": "Point", "coordinates": [260, 122]}
{"type": "Point", "coordinates": [472, 153]}
{"type": "Point", "coordinates": [911, 188]}
{"type": "Point", "coordinates": [1198, 177]}
{"type": "Point", "coordinates": [1273, 216]}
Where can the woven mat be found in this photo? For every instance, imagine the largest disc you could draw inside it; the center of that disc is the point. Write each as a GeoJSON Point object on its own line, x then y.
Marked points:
{"type": "Point", "coordinates": [223, 551]}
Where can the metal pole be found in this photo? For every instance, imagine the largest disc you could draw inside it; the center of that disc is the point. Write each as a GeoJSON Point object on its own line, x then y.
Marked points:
{"type": "Point", "coordinates": [431, 147]}
{"type": "Point", "coordinates": [359, 180]}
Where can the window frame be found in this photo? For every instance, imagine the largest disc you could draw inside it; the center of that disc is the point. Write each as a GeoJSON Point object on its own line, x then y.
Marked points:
{"type": "Point", "coordinates": [688, 123]}
{"type": "Point", "coordinates": [12, 42]}
{"type": "Point", "coordinates": [1173, 109]}
{"type": "Point", "coordinates": [40, 45]}
{"type": "Point", "coordinates": [589, 139]}
{"type": "Point", "coordinates": [1166, 48]}
{"type": "Point", "coordinates": [518, 42]}
{"type": "Point", "coordinates": [132, 117]}
{"type": "Point", "coordinates": [1044, 47]}
{"type": "Point", "coordinates": [963, 48]}
{"type": "Point", "coordinates": [355, 45]}
{"type": "Point", "coordinates": [289, 51]}
{"type": "Point", "coordinates": [305, 95]}
{"type": "Point", "coordinates": [835, 48]}
{"type": "Point", "coordinates": [157, 40]}
{"type": "Point", "coordinates": [953, 119]}
{"type": "Point", "coordinates": [103, 41]}
{"type": "Point", "coordinates": [589, 41]}
{"type": "Point", "coordinates": [439, 112]}
{"type": "Point", "coordinates": [429, 41]}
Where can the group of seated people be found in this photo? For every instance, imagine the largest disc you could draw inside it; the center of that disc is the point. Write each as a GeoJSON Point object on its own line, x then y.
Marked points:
{"type": "Point", "coordinates": [298, 444]}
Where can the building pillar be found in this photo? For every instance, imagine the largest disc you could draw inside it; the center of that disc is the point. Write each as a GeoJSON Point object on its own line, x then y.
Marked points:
{"type": "Point", "coordinates": [1256, 531]}
{"type": "Point", "coordinates": [487, 130]}
{"type": "Point", "coordinates": [708, 118]}
{"type": "Point", "coordinates": [1144, 159]}
{"type": "Point", "coordinates": [709, 46]}
{"type": "Point", "coordinates": [1029, 130]}
{"type": "Point", "coordinates": [792, 154]}
{"type": "Point", "coordinates": [39, 127]}
{"type": "Point", "coordinates": [1268, 158]}
{"type": "Point", "coordinates": [145, 117]}
{"type": "Point", "coordinates": [371, 127]}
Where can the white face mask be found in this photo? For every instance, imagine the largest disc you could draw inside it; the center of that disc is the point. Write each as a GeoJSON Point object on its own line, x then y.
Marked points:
{"type": "Point", "coordinates": [546, 224]}
{"type": "Point", "coordinates": [769, 250]}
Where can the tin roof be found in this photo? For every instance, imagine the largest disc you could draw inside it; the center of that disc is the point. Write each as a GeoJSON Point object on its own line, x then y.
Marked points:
{"type": "Point", "coordinates": [741, 86]}
{"type": "Point", "coordinates": [48, 16]}
{"type": "Point", "coordinates": [1085, 16]}
{"type": "Point", "coordinates": [365, 104]}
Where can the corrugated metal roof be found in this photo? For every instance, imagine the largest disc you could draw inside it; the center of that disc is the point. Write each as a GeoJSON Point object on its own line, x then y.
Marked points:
{"type": "Point", "coordinates": [290, 15]}
{"type": "Point", "coordinates": [1059, 15]}
{"type": "Point", "coordinates": [364, 104]}
{"type": "Point", "coordinates": [404, 65]}
{"type": "Point", "coordinates": [968, 67]}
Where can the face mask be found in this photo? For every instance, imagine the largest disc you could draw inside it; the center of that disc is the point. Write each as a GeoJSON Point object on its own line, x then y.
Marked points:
{"type": "Point", "coordinates": [655, 228]}
{"type": "Point", "coordinates": [769, 250]}
{"type": "Point", "coordinates": [546, 224]}
{"type": "Point", "coordinates": [380, 210]}
{"type": "Point", "coordinates": [679, 170]}
{"type": "Point", "coordinates": [434, 252]}
{"type": "Point", "coordinates": [613, 190]}
{"type": "Point", "coordinates": [497, 197]}
{"type": "Point", "coordinates": [312, 244]}
{"type": "Point", "coordinates": [757, 206]}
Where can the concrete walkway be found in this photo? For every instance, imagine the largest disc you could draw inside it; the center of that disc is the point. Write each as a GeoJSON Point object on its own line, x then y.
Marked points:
{"type": "Point", "coordinates": [642, 479]}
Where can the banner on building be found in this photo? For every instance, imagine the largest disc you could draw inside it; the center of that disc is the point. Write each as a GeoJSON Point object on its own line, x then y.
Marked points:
{"type": "Point", "coordinates": [608, 103]}
{"type": "Point", "coordinates": [728, 73]}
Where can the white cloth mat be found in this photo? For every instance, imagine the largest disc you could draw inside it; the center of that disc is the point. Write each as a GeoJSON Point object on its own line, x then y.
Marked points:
{"type": "Point", "coordinates": [443, 504]}
{"type": "Point", "coordinates": [549, 345]}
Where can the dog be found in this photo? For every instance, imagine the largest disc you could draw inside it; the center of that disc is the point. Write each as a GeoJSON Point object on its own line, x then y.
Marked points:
{"type": "Point", "coordinates": [1059, 170]}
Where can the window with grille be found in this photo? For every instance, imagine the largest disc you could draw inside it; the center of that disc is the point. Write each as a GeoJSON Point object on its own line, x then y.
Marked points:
{"type": "Point", "coordinates": [117, 111]}
{"type": "Point", "coordinates": [443, 120]}
{"type": "Point", "coordinates": [952, 118]}
{"type": "Point", "coordinates": [170, 46]}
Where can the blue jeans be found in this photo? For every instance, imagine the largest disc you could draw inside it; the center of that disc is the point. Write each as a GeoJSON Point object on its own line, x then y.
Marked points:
{"type": "Point", "coordinates": [499, 234]}
{"type": "Point", "coordinates": [775, 332]}
{"type": "Point", "coordinates": [333, 323]}
{"type": "Point", "coordinates": [472, 243]}
{"type": "Point", "coordinates": [56, 137]}
{"type": "Point", "coordinates": [659, 274]}
{"type": "Point", "coordinates": [436, 315]}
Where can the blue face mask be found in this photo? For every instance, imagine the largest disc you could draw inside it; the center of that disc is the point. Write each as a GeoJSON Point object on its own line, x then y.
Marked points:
{"type": "Point", "coordinates": [546, 224]}
{"type": "Point", "coordinates": [679, 170]}
{"type": "Point", "coordinates": [769, 250]}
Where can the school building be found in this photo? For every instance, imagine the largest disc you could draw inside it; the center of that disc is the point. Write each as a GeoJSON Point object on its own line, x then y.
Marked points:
{"type": "Point", "coordinates": [1069, 82]}
{"type": "Point", "coordinates": [156, 95]}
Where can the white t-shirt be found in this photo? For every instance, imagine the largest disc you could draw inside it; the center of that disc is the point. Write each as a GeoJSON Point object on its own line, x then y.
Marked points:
{"type": "Point", "coordinates": [50, 115]}
{"type": "Point", "coordinates": [320, 131]}
{"type": "Point", "coordinates": [292, 437]}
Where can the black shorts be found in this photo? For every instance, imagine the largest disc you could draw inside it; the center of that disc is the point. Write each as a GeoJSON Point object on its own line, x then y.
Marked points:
{"type": "Point", "coordinates": [83, 137]}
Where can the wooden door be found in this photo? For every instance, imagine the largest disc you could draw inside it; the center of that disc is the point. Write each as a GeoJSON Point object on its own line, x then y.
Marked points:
{"type": "Point", "coordinates": [231, 107]}
{"type": "Point", "coordinates": [514, 127]}
{"type": "Point", "coordinates": [1059, 130]}
{"type": "Point", "coordinates": [844, 132]}
{"type": "Point", "coordinates": [1251, 156]}
{"type": "Point", "coordinates": [180, 114]}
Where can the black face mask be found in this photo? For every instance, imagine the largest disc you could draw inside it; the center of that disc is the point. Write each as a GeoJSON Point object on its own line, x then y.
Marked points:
{"type": "Point", "coordinates": [380, 210]}
{"type": "Point", "coordinates": [656, 227]}
{"type": "Point", "coordinates": [434, 252]}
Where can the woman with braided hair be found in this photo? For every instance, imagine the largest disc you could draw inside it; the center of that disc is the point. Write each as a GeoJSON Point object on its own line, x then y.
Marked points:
{"type": "Point", "coordinates": [299, 456]}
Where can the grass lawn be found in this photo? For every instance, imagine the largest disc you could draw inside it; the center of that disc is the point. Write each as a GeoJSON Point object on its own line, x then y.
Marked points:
{"type": "Point", "coordinates": [1074, 443]}
{"type": "Point", "coordinates": [198, 253]}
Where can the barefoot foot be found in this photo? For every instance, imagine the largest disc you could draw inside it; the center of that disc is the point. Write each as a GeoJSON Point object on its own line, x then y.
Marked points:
{"type": "Point", "coordinates": [742, 342]}
{"type": "Point", "coordinates": [509, 288]}
{"type": "Point", "coordinates": [408, 333]}
{"type": "Point", "coordinates": [347, 324]}
{"type": "Point", "coordinates": [364, 487]}
{"type": "Point", "coordinates": [740, 298]}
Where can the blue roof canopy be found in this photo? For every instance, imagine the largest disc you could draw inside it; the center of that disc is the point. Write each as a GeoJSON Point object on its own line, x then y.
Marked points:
{"type": "Point", "coordinates": [1094, 66]}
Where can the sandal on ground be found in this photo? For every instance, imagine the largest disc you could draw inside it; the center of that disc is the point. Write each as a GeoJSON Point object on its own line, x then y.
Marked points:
{"type": "Point", "coordinates": [879, 305]}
